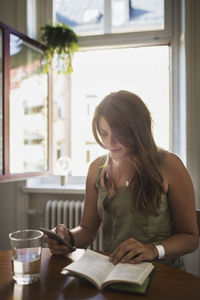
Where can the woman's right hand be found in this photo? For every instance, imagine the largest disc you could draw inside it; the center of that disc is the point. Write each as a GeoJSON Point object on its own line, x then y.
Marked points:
{"type": "Point", "coordinates": [54, 246]}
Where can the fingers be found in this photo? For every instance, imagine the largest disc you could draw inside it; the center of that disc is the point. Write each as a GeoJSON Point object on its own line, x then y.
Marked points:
{"type": "Point", "coordinates": [132, 251]}
{"type": "Point", "coordinates": [137, 259]}
{"type": "Point", "coordinates": [126, 251]}
{"type": "Point", "coordinates": [54, 246]}
{"type": "Point", "coordinates": [57, 249]}
{"type": "Point", "coordinates": [61, 230]}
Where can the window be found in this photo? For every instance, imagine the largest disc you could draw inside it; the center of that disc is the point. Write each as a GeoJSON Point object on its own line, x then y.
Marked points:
{"type": "Point", "coordinates": [110, 16]}
{"type": "Point", "coordinates": [24, 104]}
{"type": "Point", "coordinates": [124, 45]}
{"type": "Point", "coordinates": [28, 108]}
{"type": "Point", "coordinates": [143, 70]}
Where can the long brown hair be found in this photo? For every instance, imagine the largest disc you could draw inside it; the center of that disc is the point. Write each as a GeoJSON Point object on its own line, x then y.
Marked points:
{"type": "Point", "coordinates": [131, 124]}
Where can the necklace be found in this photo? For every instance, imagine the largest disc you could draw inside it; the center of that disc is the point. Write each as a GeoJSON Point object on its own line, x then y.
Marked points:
{"type": "Point", "coordinates": [127, 183]}
{"type": "Point", "coordinates": [116, 163]}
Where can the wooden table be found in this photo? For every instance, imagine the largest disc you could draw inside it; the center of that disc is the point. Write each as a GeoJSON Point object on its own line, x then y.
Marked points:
{"type": "Point", "coordinates": [167, 283]}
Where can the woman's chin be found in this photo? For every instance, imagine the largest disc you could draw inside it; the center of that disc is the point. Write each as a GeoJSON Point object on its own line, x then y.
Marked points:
{"type": "Point", "coordinates": [119, 155]}
{"type": "Point", "coordinates": [116, 155]}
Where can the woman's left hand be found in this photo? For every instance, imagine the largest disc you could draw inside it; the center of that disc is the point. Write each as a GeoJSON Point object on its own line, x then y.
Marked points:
{"type": "Point", "coordinates": [132, 251]}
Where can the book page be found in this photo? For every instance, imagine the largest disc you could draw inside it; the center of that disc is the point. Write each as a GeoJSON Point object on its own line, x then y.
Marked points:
{"type": "Point", "coordinates": [93, 266]}
{"type": "Point", "coordinates": [130, 273]}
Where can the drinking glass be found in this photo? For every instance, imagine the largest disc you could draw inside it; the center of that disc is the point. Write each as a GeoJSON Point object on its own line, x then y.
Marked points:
{"type": "Point", "coordinates": [26, 248]}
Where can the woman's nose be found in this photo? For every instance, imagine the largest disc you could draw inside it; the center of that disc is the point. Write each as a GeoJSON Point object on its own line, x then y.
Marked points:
{"type": "Point", "coordinates": [112, 140]}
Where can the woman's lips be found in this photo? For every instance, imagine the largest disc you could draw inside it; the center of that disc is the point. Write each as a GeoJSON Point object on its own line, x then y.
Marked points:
{"type": "Point", "coordinates": [115, 151]}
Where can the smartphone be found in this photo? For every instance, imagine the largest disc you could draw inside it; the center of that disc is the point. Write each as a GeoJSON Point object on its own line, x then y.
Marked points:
{"type": "Point", "coordinates": [56, 237]}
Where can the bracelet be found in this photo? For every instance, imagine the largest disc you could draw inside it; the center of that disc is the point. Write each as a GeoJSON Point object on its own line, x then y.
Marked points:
{"type": "Point", "coordinates": [161, 251]}
{"type": "Point", "coordinates": [71, 237]}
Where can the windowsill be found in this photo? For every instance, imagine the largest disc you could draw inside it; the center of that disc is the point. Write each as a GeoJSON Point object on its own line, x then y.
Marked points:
{"type": "Point", "coordinates": [52, 184]}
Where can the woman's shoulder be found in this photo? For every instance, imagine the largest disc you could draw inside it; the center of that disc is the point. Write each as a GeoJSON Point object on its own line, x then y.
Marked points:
{"type": "Point", "coordinates": [167, 156]}
{"type": "Point", "coordinates": [96, 165]}
{"type": "Point", "coordinates": [172, 169]}
{"type": "Point", "coordinates": [98, 162]}
{"type": "Point", "coordinates": [171, 163]}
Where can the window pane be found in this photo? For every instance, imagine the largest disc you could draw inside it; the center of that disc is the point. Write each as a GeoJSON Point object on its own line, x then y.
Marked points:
{"type": "Point", "coordinates": [61, 113]}
{"type": "Point", "coordinates": [142, 70]}
{"type": "Point", "coordinates": [87, 17]}
{"type": "Point", "coordinates": [1, 106]}
{"type": "Point", "coordinates": [28, 109]}
{"type": "Point", "coordinates": [84, 16]}
{"type": "Point", "coordinates": [137, 15]}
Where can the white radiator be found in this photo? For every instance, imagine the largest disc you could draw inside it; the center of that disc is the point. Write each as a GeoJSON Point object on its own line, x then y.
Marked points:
{"type": "Point", "coordinates": [68, 212]}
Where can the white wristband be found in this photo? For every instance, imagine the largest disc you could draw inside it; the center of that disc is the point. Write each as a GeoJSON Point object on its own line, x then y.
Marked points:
{"type": "Point", "coordinates": [161, 251]}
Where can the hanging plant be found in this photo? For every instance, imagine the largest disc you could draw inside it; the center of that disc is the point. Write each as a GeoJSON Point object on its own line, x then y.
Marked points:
{"type": "Point", "coordinates": [61, 43]}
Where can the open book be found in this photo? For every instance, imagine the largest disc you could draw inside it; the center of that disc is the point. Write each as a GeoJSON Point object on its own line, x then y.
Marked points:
{"type": "Point", "coordinates": [97, 268]}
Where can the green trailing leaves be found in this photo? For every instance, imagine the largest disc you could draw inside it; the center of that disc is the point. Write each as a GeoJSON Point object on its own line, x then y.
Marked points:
{"type": "Point", "coordinates": [60, 41]}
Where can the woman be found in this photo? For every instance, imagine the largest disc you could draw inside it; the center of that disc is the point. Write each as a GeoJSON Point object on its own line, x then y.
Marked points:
{"type": "Point", "coordinates": [143, 195]}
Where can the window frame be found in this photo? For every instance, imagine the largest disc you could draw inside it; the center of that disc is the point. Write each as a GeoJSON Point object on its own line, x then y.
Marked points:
{"type": "Point", "coordinates": [173, 36]}
{"type": "Point", "coordinates": [130, 38]}
{"type": "Point", "coordinates": [6, 175]}
{"type": "Point", "coordinates": [133, 39]}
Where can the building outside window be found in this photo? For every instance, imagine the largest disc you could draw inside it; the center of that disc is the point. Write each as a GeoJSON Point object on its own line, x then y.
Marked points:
{"type": "Point", "coordinates": [91, 17]}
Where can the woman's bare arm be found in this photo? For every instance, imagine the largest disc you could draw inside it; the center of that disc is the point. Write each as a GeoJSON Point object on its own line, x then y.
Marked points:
{"type": "Point", "coordinates": [177, 184]}
{"type": "Point", "coordinates": [182, 204]}
{"type": "Point", "coordinates": [90, 222]}
{"type": "Point", "coordinates": [86, 232]}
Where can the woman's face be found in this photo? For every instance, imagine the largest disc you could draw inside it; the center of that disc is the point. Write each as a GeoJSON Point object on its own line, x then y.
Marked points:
{"type": "Point", "coordinates": [117, 150]}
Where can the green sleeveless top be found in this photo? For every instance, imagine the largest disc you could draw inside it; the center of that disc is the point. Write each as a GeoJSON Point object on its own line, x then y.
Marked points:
{"type": "Point", "coordinates": [119, 223]}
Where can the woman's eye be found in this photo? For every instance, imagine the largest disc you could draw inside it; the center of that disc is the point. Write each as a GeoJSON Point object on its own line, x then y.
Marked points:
{"type": "Point", "coordinates": [102, 133]}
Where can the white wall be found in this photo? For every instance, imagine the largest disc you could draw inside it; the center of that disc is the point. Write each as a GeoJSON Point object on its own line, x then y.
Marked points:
{"type": "Point", "coordinates": [7, 212]}
{"type": "Point", "coordinates": [13, 14]}
{"type": "Point", "coordinates": [192, 35]}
